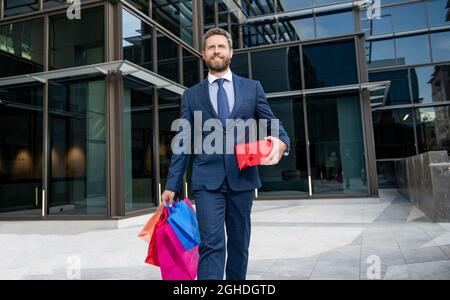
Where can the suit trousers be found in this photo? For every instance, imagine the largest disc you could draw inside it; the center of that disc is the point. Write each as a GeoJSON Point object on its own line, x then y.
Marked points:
{"type": "Point", "coordinates": [216, 208]}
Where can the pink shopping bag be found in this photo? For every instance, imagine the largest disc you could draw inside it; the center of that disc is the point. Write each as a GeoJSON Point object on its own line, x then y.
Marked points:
{"type": "Point", "coordinates": [175, 262]}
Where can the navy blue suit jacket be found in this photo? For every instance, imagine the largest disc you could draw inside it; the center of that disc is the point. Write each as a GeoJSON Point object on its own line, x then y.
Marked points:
{"type": "Point", "coordinates": [209, 170]}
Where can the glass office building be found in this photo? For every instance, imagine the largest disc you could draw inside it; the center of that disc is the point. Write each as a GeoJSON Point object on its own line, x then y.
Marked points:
{"type": "Point", "coordinates": [86, 105]}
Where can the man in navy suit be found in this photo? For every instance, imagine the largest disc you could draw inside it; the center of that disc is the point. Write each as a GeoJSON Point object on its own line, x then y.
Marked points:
{"type": "Point", "coordinates": [223, 194]}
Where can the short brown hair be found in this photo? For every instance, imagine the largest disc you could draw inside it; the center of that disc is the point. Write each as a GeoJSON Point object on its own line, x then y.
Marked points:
{"type": "Point", "coordinates": [217, 31]}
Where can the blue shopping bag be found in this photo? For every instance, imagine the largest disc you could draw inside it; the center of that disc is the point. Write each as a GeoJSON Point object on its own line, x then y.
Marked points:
{"type": "Point", "coordinates": [183, 221]}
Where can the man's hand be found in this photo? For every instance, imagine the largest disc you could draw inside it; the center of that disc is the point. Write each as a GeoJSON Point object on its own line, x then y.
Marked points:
{"type": "Point", "coordinates": [278, 149]}
{"type": "Point", "coordinates": [167, 197]}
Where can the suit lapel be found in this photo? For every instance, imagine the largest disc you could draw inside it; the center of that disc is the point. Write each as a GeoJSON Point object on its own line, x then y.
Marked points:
{"type": "Point", "coordinates": [237, 95]}
{"type": "Point", "coordinates": [207, 99]}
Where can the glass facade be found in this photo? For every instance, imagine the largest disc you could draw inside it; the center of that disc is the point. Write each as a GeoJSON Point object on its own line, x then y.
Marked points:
{"type": "Point", "coordinates": [94, 141]}
{"type": "Point", "coordinates": [290, 176]}
{"type": "Point", "coordinates": [77, 135]}
{"type": "Point", "coordinates": [336, 144]}
{"type": "Point", "coordinates": [138, 145]}
{"type": "Point", "coordinates": [21, 149]}
{"type": "Point", "coordinates": [278, 69]}
{"type": "Point", "coordinates": [137, 40]}
{"type": "Point", "coordinates": [324, 70]}
{"type": "Point", "coordinates": [77, 42]}
{"type": "Point", "coordinates": [21, 47]}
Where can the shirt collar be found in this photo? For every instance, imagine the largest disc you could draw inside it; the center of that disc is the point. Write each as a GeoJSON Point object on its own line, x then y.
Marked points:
{"type": "Point", "coordinates": [228, 76]}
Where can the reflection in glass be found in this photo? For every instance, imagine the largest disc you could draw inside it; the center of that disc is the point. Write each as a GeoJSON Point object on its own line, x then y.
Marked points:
{"type": "Point", "coordinates": [380, 53]}
{"type": "Point", "coordinates": [208, 15]}
{"type": "Point", "coordinates": [239, 64]}
{"type": "Point", "coordinates": [413, 49]}
{"type": "Point", "coordinates": [398, 89]}
{"type": "Point", "coordinates": [286, 5]}
{"type": "Point", "coordinates": [137, 40]}
{"type": "Point", "coordinates": [191, 68]}
{"type": "Point", "coordinates": [138, 145]}
{"type": "Point", "coordinates": [21, 47]}
{"type": "Point", "coordinates": [323, 69]}
{"type": "Point", "coordinates": [141, 5]}
{"type": "Point", "coordinates": [440, 42]}
{"type": "Point", "coordinates": [259, 33]}
{"type": "Point", "coordinates": [77, 42]}
{"type": "Point", "coordinates": [438, 12]}
{"type": "Point", "coordinates": [394, 133]}
{"type": "Point", "coordinates": [18, 7]}
{"type": "Point", "coordinates": [433, 128]}
{"type": "Point", "coordinates": [326, 23]}
{"type": "Point", "coordinates": [77, 132]}
{"type": "Point", "coordinates": [430, 84]}
{"type": "Point", "coordinates": [336, 144]}
{"type": "Point", "coordinates": [290, 175]}
{"type": "Point", "coordinates": [277, 69]}
{"type": "Point", "coordinates": [176, 16]}
{"type": "Point", "coordinates": [400, 18]}
{"type": "Point", "coordinates": [21, 149]}
{"type": "Point", "coordinates": [169, 111]}
{"type": "Point", "coordinates": [387, 177]}
{"type": "Point", "coordinates": [299, 28]}
{"type": "Point", "coordinates": [257, 8]}
{"type": "Point", "coordinates": [327, 2]}
{"type": "Point", "coordinates": [168, 58]}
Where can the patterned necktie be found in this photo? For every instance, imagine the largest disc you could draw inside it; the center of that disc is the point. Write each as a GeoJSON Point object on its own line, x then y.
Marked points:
{"type": "Point", "coordinates": [223, 109]}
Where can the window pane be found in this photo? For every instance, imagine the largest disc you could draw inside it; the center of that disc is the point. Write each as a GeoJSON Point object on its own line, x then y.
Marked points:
{"type": "Point", "coordinates": [323, 69]}
{"type": "Point", "coordinates": [380, 54]}
{"type": "Point", "coordinates": [21, 48]}
{"type": "Point", "coordinates": [191, 68]}
{"type": "Point", "coordinates": [17, 7]}
{"type": "Point", "coordinates": [258, 7]}
{"type": "Point", "coordinates": [398, 90]}
{"type": "Point", "coordinates": [299, 28]}
{"type": "Point", "coordinates": [277, 69]}
{"type": "Point", "coordinates": [169, 111]}
{"type": "Point", "coordinates": [405, 17]}
{"type": "Point", "coordinates": [77, 42]}
{"type": "Point", "coordinates": [239, 64]}
{"type": "Point", "coordinates": [137, 40]}
{"type": "Point", "coordinates": [336, 144]}
{"type": "Point", "coordinates": [433, 128]}
{"type": "Point", "coordinates": [413, 50]}
{"type": "Point", "coordinates": [285, 5]}
{"type": "Point", "coordinates": [259, 33]}
{"type": "Point", "coordinates": [168, 58]}
{"type": "Point", "coordinates": [141, 5]}
{"type": "Point", "coordinates": [440, 42]}
{"type": "Point", "coordinates": [394, 133]}
{"type": "Point", "coordinates": [176, 16]}
{"type": "Point", "coordinates": [235, 30]}
{"type": "Point", "coordinates": [290, 175]}
{"type": "Point", "coordinates": [77, 118]}
{"type": "Point", "coordinates": [438, 12]}
{"type": "Point", "coordinates": [138, 145]}
{"type": "Point", "coordinates": [208, 14]}
{"type": "Point", "coordinates": [431, 84]}
{"type": "Point", "coordinates": [21, 148]}
{"type": "Point", "coordinates": [326, 23]}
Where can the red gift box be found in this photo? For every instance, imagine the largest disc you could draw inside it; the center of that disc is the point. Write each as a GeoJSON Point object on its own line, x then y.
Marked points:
{"type": "Point", "coordinates": [253, 153]}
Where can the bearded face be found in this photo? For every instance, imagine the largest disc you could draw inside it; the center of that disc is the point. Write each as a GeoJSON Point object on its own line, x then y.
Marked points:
{"type": "Point", "coordinates": [217, 54]}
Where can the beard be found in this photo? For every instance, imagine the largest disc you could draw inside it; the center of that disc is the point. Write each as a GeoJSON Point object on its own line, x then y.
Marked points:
{"type": "Point", "coordinates": [218, 66]}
